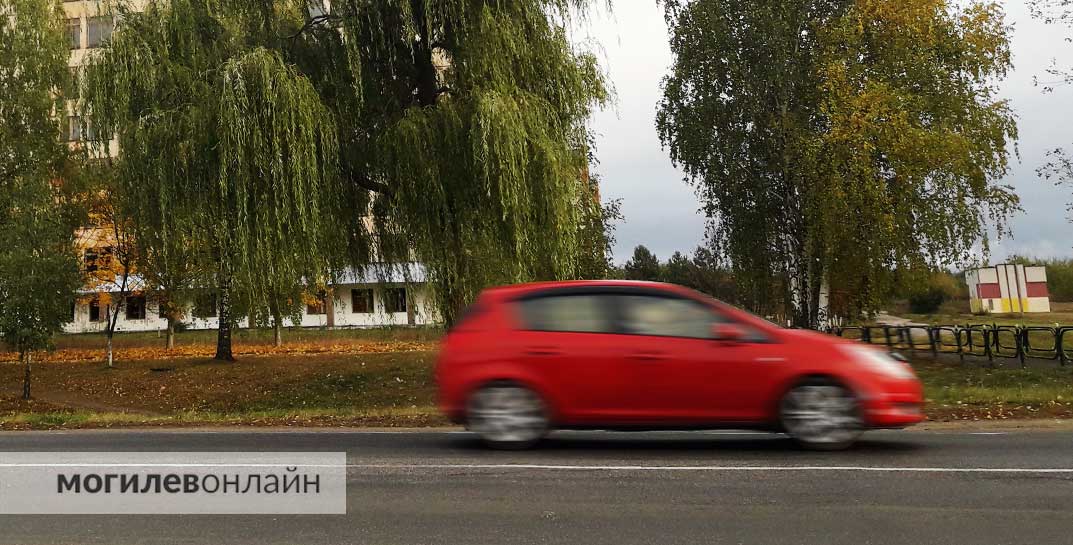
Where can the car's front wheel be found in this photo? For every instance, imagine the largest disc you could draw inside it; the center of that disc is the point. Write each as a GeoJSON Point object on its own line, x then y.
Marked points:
{"type": "Point", "coordinates": [507, 416]}
{"type": "Point", "coordinates": [821, 414]}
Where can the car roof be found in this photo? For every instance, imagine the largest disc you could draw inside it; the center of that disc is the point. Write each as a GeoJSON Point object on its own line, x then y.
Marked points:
{"type": "Point", "coordinates": [520, 290]}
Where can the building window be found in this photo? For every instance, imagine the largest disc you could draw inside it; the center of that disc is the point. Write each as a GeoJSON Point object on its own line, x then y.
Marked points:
{"type": "Point", "coordinates": [394, 300]}
{"type": "Point", "coordinates": [99, 30]}
{"type": "Point", "coordinates": [136, 307]}
{"type": "Point", "coordinates": [361, 301]}
{"type": "Point", "coordinates": [205, 305]}
{"type": "Point", "coordinates": [91, 134]}
{"type": "Point", "coordinates": [96, 259]}
{"type": "Point", "coordinates": [74, 128]}
{"type": "Point", "coordinates": [318, 306]}
{"type": "Point", "coordinates": [74, 33]}
{"type": "Point", "coordinates": [95, 314]}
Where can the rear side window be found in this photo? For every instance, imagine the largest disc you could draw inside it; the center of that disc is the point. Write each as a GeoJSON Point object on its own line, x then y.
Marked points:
{"type": "Point", "coordinates": [667, 317]}
{"type": "Point", "coordinates": [581, 313]}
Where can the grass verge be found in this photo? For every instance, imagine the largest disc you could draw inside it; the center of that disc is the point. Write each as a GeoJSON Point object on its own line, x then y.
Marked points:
{"type": "Point", "coordinates": [392, 390]}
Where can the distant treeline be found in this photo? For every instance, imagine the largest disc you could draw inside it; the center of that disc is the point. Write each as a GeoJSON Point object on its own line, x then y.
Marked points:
{"type": "Point", "coordinates": [701, 271]}
{"type": "Point", "coordinates": [1059, 276]}
{"type": "Point", "coordinates": [705, 272]}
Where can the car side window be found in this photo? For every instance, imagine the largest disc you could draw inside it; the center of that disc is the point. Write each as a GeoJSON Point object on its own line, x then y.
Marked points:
{"type": "Point", "coordinates": [667, 317]}
{"type": "Point", "coordinates": [581, 313]}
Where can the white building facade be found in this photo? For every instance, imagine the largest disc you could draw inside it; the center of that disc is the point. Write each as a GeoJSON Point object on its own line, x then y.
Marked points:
{"type": "Point", "coordinates": [362, 299]}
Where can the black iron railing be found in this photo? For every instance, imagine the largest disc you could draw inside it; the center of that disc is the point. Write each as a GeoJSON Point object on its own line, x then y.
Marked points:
{"type": "Point", "coordinates": [995, 343]}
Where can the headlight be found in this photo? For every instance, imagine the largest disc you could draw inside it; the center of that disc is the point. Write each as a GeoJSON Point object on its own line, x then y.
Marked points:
{"type": "Point", "coordinates": [879, 361]}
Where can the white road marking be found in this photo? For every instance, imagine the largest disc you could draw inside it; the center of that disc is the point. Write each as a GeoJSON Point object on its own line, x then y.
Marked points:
{"type": "Point", "coordinates": [551, 467]}
{"type": "Point", "coordinates": [561, 467]}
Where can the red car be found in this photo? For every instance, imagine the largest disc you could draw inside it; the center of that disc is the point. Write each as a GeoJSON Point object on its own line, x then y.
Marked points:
{"type": "Point", "coordinates": [526, 359]}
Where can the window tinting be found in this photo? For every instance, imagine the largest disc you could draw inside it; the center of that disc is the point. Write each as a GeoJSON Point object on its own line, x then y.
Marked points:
{"type": "Point", "coordinates": [667, 317]}
{"type": "Point", "coordinates": [573, 313]}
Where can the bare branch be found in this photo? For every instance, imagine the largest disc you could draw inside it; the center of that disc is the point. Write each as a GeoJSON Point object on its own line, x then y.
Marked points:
{"type": "Point", "coordinates": [313, 22]}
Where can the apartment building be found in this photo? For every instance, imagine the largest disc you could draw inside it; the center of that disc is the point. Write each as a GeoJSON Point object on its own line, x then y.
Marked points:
{"type": "Point", "coordinates": [378, 295]}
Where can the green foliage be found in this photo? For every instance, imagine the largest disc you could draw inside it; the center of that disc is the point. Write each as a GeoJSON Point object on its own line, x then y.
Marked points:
{"type": "Point", "coordinates": [39, 272]}
{"type": "Point", "coordinates": [1059, 275]}
{"type": "Point", "coordinates": [678, 270]}
{"type": "Point", "coordinates": [839, 140]}
{"type": "Point", "coordinates": [33, 75]}
{"type": "Point", "coordinates": [38, 268]}
{"type": "Point", "coordinates": [939, 288]}
{"type": "Point", "coordinates": [709, 275]}
{"type": "Point", "coordinates": [644, 265]}
{"type": "Point", "coordinates": [277, 139]}
{"type": "Point", "coordinates": [596, 236]}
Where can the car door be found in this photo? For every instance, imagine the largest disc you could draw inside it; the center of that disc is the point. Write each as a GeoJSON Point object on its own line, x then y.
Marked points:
{"type": "Point", "coordinates": [568, 339]}
{"type": "Point", "coordinates": [684, 374]}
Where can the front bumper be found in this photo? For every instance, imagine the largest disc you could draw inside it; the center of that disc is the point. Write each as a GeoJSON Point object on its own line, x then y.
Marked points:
{"type": "Point", "coordinates": [894, 411]}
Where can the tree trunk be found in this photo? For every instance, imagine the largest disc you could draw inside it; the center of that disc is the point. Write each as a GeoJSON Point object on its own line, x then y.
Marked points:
{"type": "Point", "coordinates": [277, 325]}
{"type": "Point", "coordinates": [113, 319]}
{"type": "Point", "coordinates": [170, 343]}
{"type": "Point", "coordinates": [26, 358]}
{"type": "Point", "coordinates": [223, 338]}
{"type": "Point", "coordinates": [329, 307]}
{"type": "Point", "coordinates": [277, 331]}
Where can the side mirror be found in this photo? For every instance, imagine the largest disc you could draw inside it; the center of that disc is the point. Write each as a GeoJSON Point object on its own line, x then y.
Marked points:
{"type": "Point", "coordinates": [731, 333]}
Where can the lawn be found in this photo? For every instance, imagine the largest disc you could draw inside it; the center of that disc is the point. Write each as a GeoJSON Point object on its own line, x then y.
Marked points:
{"type": "Point", "coordinates": [391, 389]}
{"type": "Point", "coordinates": [367, 389]}
{"type": "Point", "coordinates": [1061, 313]}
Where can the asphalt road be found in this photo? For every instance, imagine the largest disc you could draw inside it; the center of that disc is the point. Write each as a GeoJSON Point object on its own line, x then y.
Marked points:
{"type": "Point", "coordinates": [910, 487]}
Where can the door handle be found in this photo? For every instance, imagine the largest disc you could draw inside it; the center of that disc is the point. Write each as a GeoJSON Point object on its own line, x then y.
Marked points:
{"type": "Point", "coordinates": [543, 351]}
{"type": "Point", "coordinates": [649, 356]}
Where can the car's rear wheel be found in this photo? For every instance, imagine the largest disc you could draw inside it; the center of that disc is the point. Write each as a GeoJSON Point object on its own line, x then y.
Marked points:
{"type": "Point", "coordinates": [821, 414]}
{"type": "Point", "coordinates": [507, 416]}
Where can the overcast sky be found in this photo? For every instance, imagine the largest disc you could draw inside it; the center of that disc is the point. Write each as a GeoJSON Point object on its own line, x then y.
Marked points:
{"type": "Point", "coordinates": [661, 209]}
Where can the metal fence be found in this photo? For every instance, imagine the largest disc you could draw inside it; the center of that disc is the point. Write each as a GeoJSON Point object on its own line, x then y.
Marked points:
{"type": "Point", "coordinates": [995, 343]}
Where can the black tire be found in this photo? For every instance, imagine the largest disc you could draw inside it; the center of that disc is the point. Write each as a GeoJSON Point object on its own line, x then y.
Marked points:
{"type": "Point", "coordinates": [821, 414]}
{"type": "Point", "coordinates": [507, 416]}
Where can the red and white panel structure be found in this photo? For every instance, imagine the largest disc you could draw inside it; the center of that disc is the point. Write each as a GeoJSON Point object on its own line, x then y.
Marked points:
{"type": "Point", "coordinates": [1008, 289]}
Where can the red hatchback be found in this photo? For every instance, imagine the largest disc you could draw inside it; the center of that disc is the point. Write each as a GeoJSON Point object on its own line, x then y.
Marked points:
{"type": "Point", "coordinates": [527, 359]}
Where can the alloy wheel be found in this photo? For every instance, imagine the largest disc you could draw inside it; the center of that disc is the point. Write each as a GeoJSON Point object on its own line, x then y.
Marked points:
{"type": "Point", "coordinates": [821, 415]}
{"type": "Point", "coordinates": [507, 416]}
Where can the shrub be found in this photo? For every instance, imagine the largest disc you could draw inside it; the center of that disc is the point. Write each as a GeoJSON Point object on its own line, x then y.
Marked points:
{"type": "Point", "coordinates": [940, 288]}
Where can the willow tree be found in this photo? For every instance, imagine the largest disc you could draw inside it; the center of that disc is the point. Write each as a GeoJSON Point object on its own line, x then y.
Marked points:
{"type": "Point", "coordinates": [223, 144]}
{"type": "Point", "coordinates": [839, 141]}
{"type": "Point", "coordinates": [290, 138]}
{"type": "Point", "coordinates": [466, 121]}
